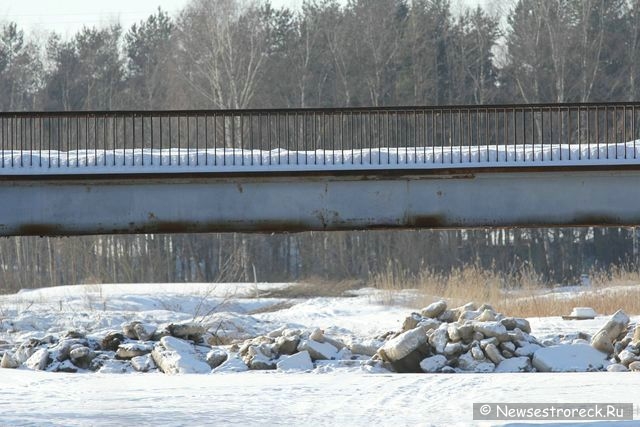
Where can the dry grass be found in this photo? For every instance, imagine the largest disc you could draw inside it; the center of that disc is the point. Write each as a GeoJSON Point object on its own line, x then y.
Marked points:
{"type": "Point", "coordinates": [603, 301]}
{"type": "Point", "coordinates": [521, 293]}
{"type": "Point", "coordinates": [315, 288]}
{"type": "Point", "coordinates": [618, 275]}
{"type": "Point", "coordinates": [282, 305]}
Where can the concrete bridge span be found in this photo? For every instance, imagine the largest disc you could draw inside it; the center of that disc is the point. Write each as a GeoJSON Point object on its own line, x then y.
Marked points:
{"type": "Point", "coordinates": [76, 173]}
{"type": "Point", "coordinates": [80, 205]}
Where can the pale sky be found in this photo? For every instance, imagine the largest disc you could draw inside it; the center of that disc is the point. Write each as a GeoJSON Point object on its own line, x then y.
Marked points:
{"type": "Point", "coordinates": [66, 17]}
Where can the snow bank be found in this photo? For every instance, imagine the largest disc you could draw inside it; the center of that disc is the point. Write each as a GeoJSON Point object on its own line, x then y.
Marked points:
{"type": "Point", "coordinates": [342, 395]}
{"type": "Point", "coordinates": [139, 160]}
{"type": "Point", "coordinates": [569, 358]}
{"type": "Point", "coordinates": [52, 330]}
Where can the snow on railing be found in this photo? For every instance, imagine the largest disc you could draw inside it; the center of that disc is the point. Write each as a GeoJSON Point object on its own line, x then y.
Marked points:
{"type": "Point", "coordinates": [319, 139]}
{"type": "Point", "coordinates": [230, 160]}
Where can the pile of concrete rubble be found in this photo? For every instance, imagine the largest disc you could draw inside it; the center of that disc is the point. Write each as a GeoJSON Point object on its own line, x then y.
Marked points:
{"type": "Point", "coordinates": [438, 339]}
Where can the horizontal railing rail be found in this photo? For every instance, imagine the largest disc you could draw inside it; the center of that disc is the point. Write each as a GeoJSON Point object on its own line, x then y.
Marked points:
{"type": "Point", "coordinates": [386, 137]}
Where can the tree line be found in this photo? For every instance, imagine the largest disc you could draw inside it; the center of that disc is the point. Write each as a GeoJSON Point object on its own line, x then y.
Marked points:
{"type": "Point", "coordinates": [229, 54]}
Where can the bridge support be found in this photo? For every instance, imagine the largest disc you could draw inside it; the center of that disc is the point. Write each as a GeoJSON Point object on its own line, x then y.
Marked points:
{"type": "Point", "coordinates": [513, 197]}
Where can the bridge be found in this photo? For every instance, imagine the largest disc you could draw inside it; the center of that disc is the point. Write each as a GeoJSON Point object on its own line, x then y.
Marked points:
{"type": "Point", "coordinates": [75, 173]}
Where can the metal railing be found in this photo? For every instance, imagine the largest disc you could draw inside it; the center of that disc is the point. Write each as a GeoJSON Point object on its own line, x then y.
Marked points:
{"type": "Point", "coordinates": [414, 137]}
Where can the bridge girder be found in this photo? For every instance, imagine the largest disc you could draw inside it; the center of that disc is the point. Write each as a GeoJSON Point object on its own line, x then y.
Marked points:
{"type": "Point", "coordinates": [266, 203]}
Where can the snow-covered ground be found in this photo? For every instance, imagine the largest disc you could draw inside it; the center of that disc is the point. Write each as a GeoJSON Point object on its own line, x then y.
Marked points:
{"type": "Point", "coordinates": [333, 393]}
{"type": "Point", "coordinates": [303, 399]}
{"type": "Point", "coordinates": [138, 160]}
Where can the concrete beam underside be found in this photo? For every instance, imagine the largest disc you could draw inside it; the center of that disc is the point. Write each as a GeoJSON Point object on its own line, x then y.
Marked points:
{"type": "Point", "coordinates": [263, 203]}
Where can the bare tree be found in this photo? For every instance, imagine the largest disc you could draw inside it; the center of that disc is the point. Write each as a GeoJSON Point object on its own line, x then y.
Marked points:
{"type": "Point", "coordinates": [223, 45]}
{"type": "Point", "coordinates": [557, 18]}
{"type": "Point", "coordinates": [379, 27]}
{"type": "Point", "coordinates": [310, 56]}
{"type": "Point", "coordinates": [336, 30]}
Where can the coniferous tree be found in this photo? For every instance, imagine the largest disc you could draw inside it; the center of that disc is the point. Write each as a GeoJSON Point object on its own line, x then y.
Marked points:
{"type": "Point", "coordinates": [21, 70]}
{"type": "Point", "coordinates": [149, 48]}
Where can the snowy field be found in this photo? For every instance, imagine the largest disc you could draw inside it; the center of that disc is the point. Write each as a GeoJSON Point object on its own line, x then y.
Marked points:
{"type": "Point", "coordinates": [24, 162]}
{"type": "Point", "coordinates": [332, 392]}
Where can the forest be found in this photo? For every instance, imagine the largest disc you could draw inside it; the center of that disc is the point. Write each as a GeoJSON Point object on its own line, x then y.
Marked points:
{"type": "Point", "coordinates": [235, 54]}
